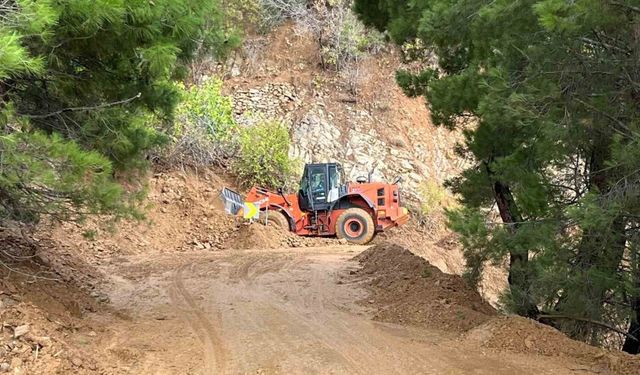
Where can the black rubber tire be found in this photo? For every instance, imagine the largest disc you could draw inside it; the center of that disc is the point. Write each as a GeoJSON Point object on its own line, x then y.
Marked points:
{"type": "Point", "coordinates": [275, 218]}
{"type": "Point", "coordinates": [360, 218]}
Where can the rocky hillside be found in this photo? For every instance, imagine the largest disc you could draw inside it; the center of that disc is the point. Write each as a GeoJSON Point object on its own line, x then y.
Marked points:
{"type": "Point", "coordinates": [364, 122]}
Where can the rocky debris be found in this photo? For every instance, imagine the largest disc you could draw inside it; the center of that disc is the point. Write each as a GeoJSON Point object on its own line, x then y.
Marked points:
{"type": "Point", "coordinates": [350, 138]}
{"type": "Point", "coordinates": [262, 237]}
{"type": "Point", "coordinates": [32, 341]}
{"type": "Point", "coordinates": [520, 335]}
{"type": "Point", "coordinates": [272, 100]}
{"type": "Point", "coordinates": [407, 289]}
{"type": "Point", "coordinates": [20, 331]}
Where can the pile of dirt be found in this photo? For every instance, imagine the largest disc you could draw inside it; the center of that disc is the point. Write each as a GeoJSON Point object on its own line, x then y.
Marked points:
{"type": "Point", "coordinates": [259, 236]}
{"type": "Point", "coordinates": [441, 248]}
{"type": "Point", "coordinates": [520, 335]}
{"type": "Point", "coordinates": [41, 306]}
{"type": "Point", "coordinates": [406, 289]}
{"type": "Point", "coordinates": [184, 214]}
{"type": "Point", "coordinates": [34, 342]}
{"type": "Point", "coordinates": [254, 236]}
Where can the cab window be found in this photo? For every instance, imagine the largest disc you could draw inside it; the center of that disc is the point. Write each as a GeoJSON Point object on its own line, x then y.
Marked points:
{"type": "Point", "coordinates": [317, 183]}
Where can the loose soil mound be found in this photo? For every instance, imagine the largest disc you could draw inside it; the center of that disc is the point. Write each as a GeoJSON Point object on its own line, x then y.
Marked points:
{"type": "Point", "coordinates": [521, 335]}
{"type": "Point", "coordinates": [259, 236]}
{"type": "Point", "coordinates": [184, 214]}
{"type": "Point", "coordinates": [41, 304]}
{"type": "Point", "coordinates": [407, 289]}
{"type": "Point", "coordinates": [256, 236]}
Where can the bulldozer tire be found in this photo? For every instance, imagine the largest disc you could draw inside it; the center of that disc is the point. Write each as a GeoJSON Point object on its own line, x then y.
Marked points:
{"type": "Point", "coordinates": [275, 218]}
{"type": "Point", "coordinates": [356, 226]}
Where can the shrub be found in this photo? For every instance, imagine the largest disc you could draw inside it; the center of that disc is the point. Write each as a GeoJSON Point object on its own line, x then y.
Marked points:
{"type": "Point", "coordinates": [433, 201]}
{"type": "Point", "coordinates": [263, 157]}
{"type": "Point", "coordinates": [345, 39]}
{"type": "Point", "coordinates": [434, 197]}
{"type": "Point", "coordinates": [342, 37]}
{"type": "Point", "coordinates": [275, 12]}
{"type": "Point", "coordinates": [206, 134]}
{"type": "Point", "coordinates": [204, 128]}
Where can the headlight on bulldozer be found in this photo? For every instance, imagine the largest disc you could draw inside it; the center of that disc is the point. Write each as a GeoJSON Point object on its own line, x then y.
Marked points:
{"type": "Point", "coordinates": [405, 211]}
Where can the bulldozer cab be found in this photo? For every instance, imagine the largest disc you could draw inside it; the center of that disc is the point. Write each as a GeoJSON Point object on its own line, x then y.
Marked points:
{"type": "Point", "coordinates": [320, 185]}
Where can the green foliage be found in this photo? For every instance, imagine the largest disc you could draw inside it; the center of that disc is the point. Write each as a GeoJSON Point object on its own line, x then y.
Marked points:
{"type": "Point", "coordinates": [433, 198]}
{"type": "Point", "coordinates": [543, 93]}
{"type": "Point", "coordinates": [241, 12]}
{"type": "Point", "coordinates": [44, 174]}
{"type": "Point", "coordinates": [205, 106]}
{"type": "Point", "coordinates": [426, 273]}
{"type": "Point", "coordinates": [204, 132]}
{"type": "Point", "coordinates": [264, 155]}
{"type": "Point", "coordinates": [346, 40]}
{"type": "Point", "coordinates": [83, 84]}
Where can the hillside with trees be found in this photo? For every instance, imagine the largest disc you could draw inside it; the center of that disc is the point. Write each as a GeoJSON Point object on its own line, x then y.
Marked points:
{"type": "Point", "coordinates": [546, 93]}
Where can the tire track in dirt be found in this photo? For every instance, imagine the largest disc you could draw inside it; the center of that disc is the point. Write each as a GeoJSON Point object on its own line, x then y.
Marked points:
{"type": "Point", "coordinates": [215, 354]}
{"type": "Point", "coordinates": [316, 325]}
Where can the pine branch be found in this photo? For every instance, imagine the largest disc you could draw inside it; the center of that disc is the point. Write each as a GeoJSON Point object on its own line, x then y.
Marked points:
{"type": "Point", "coordinates": [82, 109]}
{"type": "Point", "coordinates": [626, 6]}
{"type": "Point", "coordinates": [586, 320]}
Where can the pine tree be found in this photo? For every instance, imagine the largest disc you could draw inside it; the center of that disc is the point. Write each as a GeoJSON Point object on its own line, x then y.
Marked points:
{"type": "Point", "coordinates": [83, 87]}
{"type": "Point", "coordinates": [546, 93]}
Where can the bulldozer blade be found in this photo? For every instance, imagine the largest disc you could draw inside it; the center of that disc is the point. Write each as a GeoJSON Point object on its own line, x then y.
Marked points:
{"type": "Point", "coordinates": [232, 201]}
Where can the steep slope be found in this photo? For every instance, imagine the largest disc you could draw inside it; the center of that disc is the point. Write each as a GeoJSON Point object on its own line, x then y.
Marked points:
{"type": "Point", "coordinates": [371, 126]}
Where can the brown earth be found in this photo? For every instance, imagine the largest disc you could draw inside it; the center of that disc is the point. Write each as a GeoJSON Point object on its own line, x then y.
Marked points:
{"type": "Point", "coordinates": [406, 289]}
{"type": "Point", "coordinates": [155, 299]}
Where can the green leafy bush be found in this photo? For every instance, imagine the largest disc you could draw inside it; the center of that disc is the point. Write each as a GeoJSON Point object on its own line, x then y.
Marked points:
{"type": "Point", "coordinates": [429, 209]}
{"type": "Point", "coordinates": [434, 198]}
{"type": "Point", "coordinates": [263, 157]}
{"type": "Point", "coordinates": [204, 131]}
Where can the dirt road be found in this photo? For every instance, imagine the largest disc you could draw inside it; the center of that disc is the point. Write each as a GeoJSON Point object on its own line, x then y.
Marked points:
{"type": "Point", "coordinates": [290, 311]}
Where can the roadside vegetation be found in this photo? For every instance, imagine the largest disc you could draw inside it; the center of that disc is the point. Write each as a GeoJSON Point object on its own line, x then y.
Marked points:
{"type": "Point", "coordinates": [546, 93]}
{"type": "Point", "coordinates": [85, 89]}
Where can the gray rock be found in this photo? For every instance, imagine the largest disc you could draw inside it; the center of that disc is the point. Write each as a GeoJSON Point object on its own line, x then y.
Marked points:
{"type": "Point", "coordinates": [76, 361]}
{"type": "Point", "coordinates": [20, 330]}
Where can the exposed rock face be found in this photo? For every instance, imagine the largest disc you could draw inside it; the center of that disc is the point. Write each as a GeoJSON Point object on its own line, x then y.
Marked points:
{"type": "Point", "coordinates": [350, 137]}
{"type": "Point", "coordinates": [374, 127]}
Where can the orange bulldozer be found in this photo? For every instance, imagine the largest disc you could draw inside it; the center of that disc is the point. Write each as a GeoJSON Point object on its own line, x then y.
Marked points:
{"type": "Point", "coordinates": [325, 205]}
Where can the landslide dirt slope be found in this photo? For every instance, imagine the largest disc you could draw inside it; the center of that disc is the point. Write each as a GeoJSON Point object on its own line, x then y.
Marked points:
{"type": "Point", "coordinates": [156, 299]}
{"type": "Point", "coordinates": [405, 289]}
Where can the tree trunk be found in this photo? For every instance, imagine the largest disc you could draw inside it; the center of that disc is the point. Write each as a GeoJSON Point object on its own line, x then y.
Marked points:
{"type": "Point", "coordinates": [519, 274]}
{"type": "Point", "coordinates": [630, 345]}
{"type": "Point", "coordinates": [601, 249]}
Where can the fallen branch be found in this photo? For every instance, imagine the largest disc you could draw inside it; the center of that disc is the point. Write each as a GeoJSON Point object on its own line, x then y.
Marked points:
{"type": "Point", "coordinates": [586, 320]}
{"type": "Point", "coordinates": [25, 273]}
